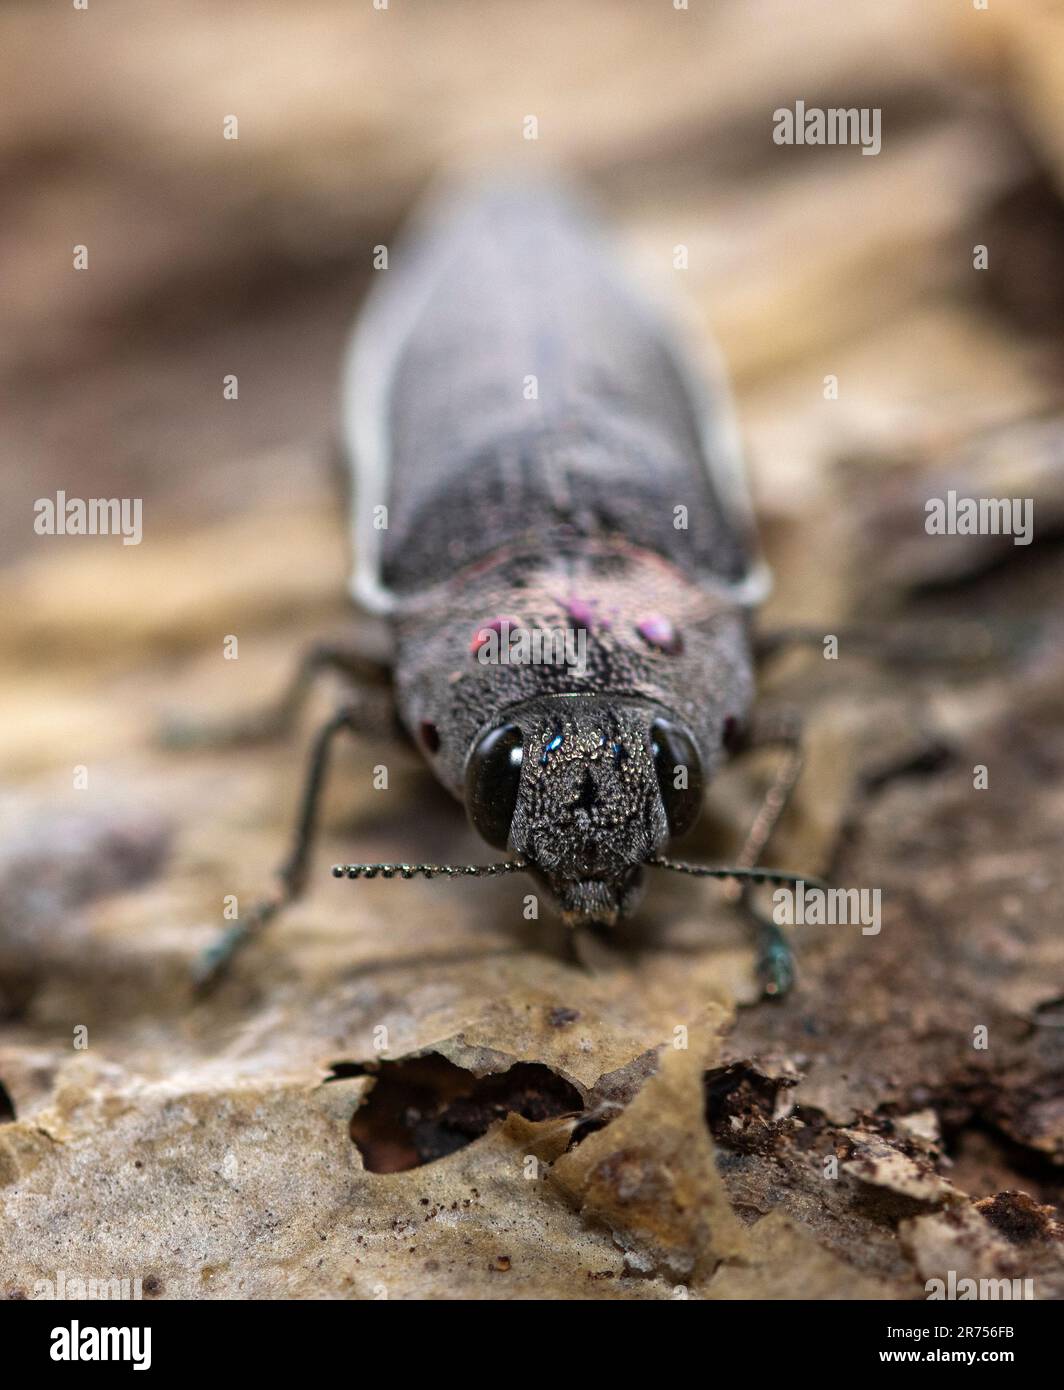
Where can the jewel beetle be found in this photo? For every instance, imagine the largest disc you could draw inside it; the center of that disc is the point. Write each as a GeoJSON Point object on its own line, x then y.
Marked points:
{"type": "Point", "coordinates": [532, 453]}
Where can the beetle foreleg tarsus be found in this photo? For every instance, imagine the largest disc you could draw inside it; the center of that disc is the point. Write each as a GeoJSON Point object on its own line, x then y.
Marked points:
{"type": "Point", "coordinates": [213, 963]}
{"type": "Point", "coordinates": [776, 968]}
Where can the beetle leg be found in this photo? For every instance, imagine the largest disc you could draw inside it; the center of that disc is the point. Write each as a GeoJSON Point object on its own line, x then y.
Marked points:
{"type": "Point", "coordinates": [776, 728]}
{"type": "Point", "coordinates": [292, 873]}
{"type": "Point", "coordinates": [781, 728]}
{"type": "Point", "coordinates": [278, 718]}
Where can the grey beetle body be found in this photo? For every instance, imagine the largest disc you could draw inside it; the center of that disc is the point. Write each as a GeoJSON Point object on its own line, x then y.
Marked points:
{"type": "Point", "coordinates": [549, 461]}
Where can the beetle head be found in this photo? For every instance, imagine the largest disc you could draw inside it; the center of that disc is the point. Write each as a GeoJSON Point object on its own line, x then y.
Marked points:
{"type": "Point", "coordinates": [585, 789]}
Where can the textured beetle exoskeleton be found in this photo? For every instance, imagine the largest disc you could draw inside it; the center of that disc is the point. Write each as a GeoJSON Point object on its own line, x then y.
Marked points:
{"type": "Point", "coordinates": [551, 465]}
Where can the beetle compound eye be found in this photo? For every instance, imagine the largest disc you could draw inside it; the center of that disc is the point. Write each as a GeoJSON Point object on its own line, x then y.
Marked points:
{"type": "Point", "coordinates": [493, 775]}
{"type": "Point", "coordinates": [679, 770]}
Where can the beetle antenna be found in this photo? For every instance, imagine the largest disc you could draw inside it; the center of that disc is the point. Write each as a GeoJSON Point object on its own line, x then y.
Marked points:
{"type": "Point", "coordinates": [751, 875]}
{"type": "Point", "coordinates": [504, 866]}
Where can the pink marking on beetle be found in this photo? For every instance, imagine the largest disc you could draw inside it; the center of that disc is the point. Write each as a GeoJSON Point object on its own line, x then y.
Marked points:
{"type": "Point", "coordinates": [658, 631]}
{"type": "Point", "coordinates": [581, 612]}
{"type": "Point", "coordinates": [495, 625]}
{"type": "Point", "coordinates": [585, 613]}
